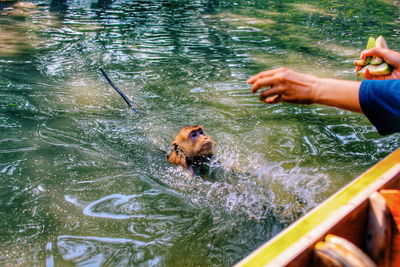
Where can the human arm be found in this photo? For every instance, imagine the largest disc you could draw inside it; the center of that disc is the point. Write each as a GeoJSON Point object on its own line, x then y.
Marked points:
{"type": "Point", "coordinates": [389, 56]}
{"type": "Point", "coordinates": [378, 100]}
{"type": "Point", "coordinates": [295, 87]}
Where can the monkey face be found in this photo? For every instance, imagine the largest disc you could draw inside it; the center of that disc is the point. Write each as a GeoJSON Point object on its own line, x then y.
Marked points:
{"type": "Point", "coordinates": [191, 141]}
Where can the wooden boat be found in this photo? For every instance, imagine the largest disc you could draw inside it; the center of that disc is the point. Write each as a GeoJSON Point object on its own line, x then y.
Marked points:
{"type": "Point", "coordinates": [346, 214]}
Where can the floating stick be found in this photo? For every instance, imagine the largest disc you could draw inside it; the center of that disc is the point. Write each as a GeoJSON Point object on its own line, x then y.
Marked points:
{"type": "Point", "coordinates": [124, 96]}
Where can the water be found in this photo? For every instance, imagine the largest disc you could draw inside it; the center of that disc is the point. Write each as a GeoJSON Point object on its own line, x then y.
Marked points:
{"type": "Point", "coordinates": [84, 181]}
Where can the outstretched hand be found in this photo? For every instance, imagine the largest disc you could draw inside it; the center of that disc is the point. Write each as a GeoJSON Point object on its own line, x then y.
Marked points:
{"type": "Point", "coordinates": [389, 56]}
{"type": "Point", "coordinates": [285, 86]}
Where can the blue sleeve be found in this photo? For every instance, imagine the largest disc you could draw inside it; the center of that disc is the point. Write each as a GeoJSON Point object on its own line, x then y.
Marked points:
{"type": "Point", "coordinates": [380, 102]}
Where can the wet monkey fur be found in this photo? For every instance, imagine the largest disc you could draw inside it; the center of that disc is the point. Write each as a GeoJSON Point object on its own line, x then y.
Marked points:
{"type": "Point", "coordinates": [191, 147]}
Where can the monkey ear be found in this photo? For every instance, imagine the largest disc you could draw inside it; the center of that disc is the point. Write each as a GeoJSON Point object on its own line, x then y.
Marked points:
{"type": "Point", "coordinates": [175, 157]}
{"type": "Point", "coordinates": [175, 147]}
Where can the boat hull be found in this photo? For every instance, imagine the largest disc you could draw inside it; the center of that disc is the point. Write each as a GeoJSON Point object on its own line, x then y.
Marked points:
{"type": "Point", "coordinates": [344, 214]}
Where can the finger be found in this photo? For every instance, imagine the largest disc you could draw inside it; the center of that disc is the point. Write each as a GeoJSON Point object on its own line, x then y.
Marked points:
{"type": "Point", "coordinates": [389, 56]}
{"type": "Point", "coordinates": [367, 74]}
{"type": "Point", "coordinates": [270, 94]}
{"type": "Point", "coordinates": [273, 99]}
{"type": "Point", "coordinates": [358, 68]}
{"type": "Point", "coordinates": [260, 75]}
{"type": "Point", "coordinates": [263, 82]}
{"type": "Point", "coordinates": [264, 74]}
{"type": "Point", "coordinates": [373, 52]}
{"type": "Point", "coordinates": [254, 78]}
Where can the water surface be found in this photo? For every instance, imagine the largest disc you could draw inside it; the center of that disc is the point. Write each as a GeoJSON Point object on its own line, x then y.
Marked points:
{"type": "Point", "coordinates": [84, 180]}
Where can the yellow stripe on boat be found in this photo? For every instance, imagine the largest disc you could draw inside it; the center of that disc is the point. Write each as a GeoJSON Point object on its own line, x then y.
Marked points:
{"type": "Point", "coordinates": [291, 242]}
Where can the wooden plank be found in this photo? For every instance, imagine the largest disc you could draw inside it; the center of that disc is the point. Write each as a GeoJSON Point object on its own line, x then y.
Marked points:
{"type": "Point", "coordinates": [378, 236]}
{"type": "Point", "coordinates": [298, 237]}
{"type": "Point", "coordinates": [395, 250]}
{"type": "Point", "coordinates": [392, 198]}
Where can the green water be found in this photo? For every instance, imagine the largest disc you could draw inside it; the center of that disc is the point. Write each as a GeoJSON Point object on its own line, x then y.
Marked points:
{"type": "Point", "coordinates": [84, 181]}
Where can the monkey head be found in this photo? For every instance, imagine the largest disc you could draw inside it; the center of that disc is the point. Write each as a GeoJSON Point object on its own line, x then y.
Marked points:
{"type": "Point", "coordinates": [191, 144]}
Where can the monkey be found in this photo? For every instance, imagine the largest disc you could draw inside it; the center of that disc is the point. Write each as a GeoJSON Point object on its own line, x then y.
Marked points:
{"type": "Point", "coordinates": [191, 148]}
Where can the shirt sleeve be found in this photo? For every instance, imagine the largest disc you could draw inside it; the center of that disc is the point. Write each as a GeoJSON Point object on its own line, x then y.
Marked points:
{"type": "Point", "coordinates": [380, 102]}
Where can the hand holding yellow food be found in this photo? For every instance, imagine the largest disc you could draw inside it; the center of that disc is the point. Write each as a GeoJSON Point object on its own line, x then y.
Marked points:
{"type": "Point", "coordinates": [375, 65]}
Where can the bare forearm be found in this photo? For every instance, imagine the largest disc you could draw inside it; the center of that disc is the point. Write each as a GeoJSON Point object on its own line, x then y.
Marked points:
{"type": "Point", "coordinates": [338, 93]}
{"type": "Point", "coordinates": [286, 85]}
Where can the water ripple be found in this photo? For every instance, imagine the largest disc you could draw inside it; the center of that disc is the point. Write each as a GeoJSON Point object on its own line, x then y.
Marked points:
{"type": "Point", "coordinates": [82, 174]}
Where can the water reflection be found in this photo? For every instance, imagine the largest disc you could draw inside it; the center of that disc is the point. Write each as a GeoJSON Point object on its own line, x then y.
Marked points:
{"type": "Point", "coordinates": [14, 28]}
{"type": "Point", "coordinates": [92, 250]}
{"type": "Point", "coordinates": [85, 182]}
